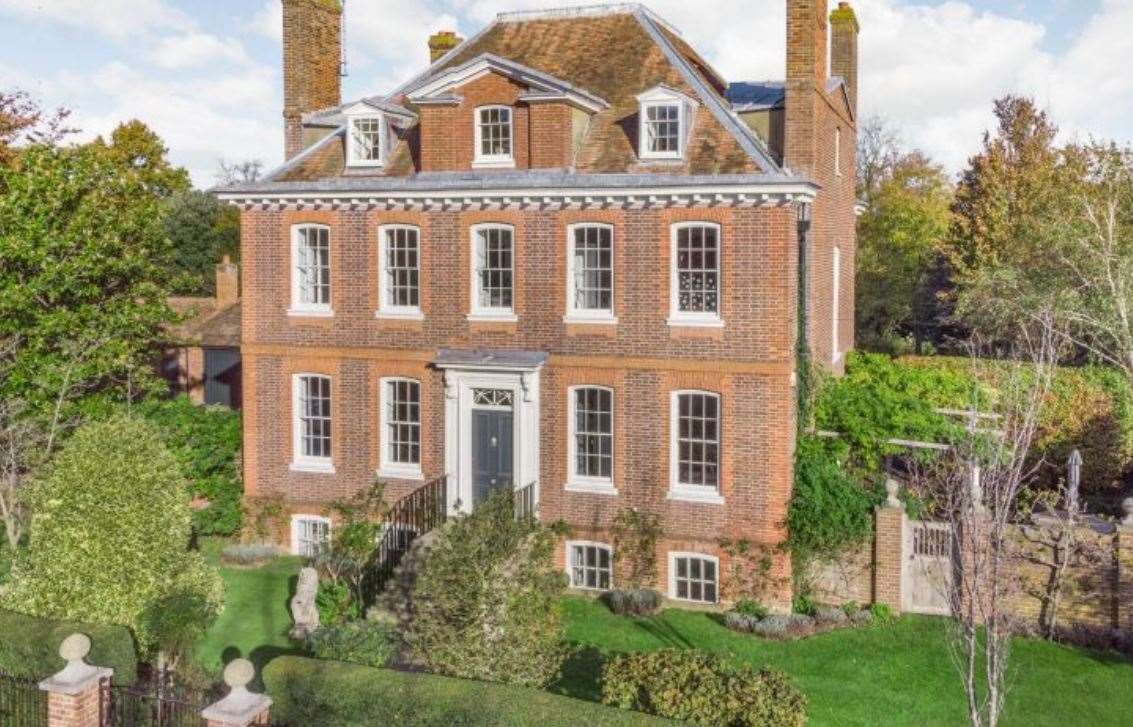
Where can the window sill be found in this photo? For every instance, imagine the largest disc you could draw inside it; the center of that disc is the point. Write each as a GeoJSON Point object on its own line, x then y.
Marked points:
{"type": "Point", "coordinates": [493, 164]}
{"type": "Point", "coordinates": [683, 322]}
{"type": "Point", "coordinates": [698, 495]}
{"type": "Point", "coordinates": [310, 313]}
{"type": "Point", "coordinates": [394, 472]}
{"type": "Point", "coordinates": [396, 315]}
{"type": "Point", "coordinates": [583, 320]}
{"type": "Point", "coordinates": [591, 488]}
{"type": "Point", "coordinates": [325, 468]}
{"type": "Point", "coordinates": [649, 158]}
{"type": "Point", "coordinates": [493, 317]}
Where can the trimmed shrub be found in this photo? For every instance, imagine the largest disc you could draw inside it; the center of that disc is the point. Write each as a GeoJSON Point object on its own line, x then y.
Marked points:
{"type": "Point", "coordinates": [740, 622]}
{"type": "Point", "coordinates": [484, 602]}
{"type": "Point", "coordinates": [748, 607]}
{"type": "Point", "coordinates": [333, 694]}
{"type": "Point", "coordinates": [110, 533]}
{"type": "Point", "coordinates": [828, 615]}
{"type": "Point", "coordinates": [30, 647]}
{"type": "Point", "coordinates": [367, 643]}
{"type": "Point", "coordinates": [640, 602]}
{"type": "Point", "coordinates": [700, 688]}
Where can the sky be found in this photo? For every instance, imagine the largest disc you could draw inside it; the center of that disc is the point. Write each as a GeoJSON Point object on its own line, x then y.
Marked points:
{"type": "Point", "coordinates": [205, 74]}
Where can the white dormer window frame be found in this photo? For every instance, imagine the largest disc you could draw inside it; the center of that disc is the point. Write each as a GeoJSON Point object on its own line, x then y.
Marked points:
{"type": "Point", "coordinates": [479, 158]}
{"type": "Point", "coordinates": [356, 117]}
{"type": "Point", "coordinates": [661, 100]}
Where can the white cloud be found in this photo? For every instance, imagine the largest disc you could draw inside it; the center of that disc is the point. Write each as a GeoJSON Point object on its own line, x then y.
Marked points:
{"type": "Point", "coordinates": [118, 19]}
{"type": "Point", "coordinates": [194, 50]}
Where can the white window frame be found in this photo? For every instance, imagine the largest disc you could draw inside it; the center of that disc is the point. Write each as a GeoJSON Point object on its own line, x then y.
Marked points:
{"type": "Point", "coordinates": [298, 307]}
{"type": "Point", "coordinates": [478, 312]}
{"type": "Point", "coordinates": [299, 518]}
{"type": "Point", "coordinates": [387, 467]}
{"type": "Point", "coordinates": [835, 303]}
{"type": "Point", "coordinates": [682, 125]}
{"type": "Point", "coordinates": [385, 308]}
{"type": "Point", "coordinates": [689, 492]}
{"type": "Point", "coordinates": [703, 319]}
{"type": "Point", "coordinates": [574, 314]}
{"type": "Point", "coordinates": [587, 483]}
{"type": "Point", "coordinates": [570, 546]}
{"type": "Point", "coordinates": [838, 151]}
{"type": "Point", "coordinates": [299, 461]}
{"type": "Point", "coordinates": [479, 159]}
{"type": "Point", "coordinates": [352, 149]}
{"type": "Point", "coordinates": [673, 556]}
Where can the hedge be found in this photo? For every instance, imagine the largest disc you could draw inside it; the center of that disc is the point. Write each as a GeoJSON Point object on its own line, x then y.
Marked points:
{"type": "Point", "coordinates": [334, 694]}
{"type": "Point", "coordinates": [29, 647]}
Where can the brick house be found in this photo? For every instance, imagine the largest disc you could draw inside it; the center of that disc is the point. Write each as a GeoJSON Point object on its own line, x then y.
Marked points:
{"type": "Point", "coordinates": [568, 254]}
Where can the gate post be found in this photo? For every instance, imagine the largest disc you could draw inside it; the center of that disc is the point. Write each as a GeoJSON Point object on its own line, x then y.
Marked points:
{"type": "Point", "coordinates": [890, 522]}
{"type": "Point", "coordinates": [240, 708]}
{"type": "Point", "coordinates": [74, 695]}
{"type": "Point", "coordinates": [1123, 544]}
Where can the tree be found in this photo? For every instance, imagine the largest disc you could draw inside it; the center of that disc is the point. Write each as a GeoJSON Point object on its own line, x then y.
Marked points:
{"type": "Point", "coordinates": [484, 603]}
{"type": "Point", "coordinates": [134, 146]}
{"type": "Point", "coordinates": [22, 121]}
{"type": "Point", "coordinates": [248, 170]}
{"type": "Point", "coordinates": [900, 236]}
{"type": "Point", "coordinates": [975, 488]}
{"type": "Point", "coordinates": [879, 149]}
{"type": "Point", "coordinates": [110, 534]}
{"type": "Point", "coordinates": [202, 230]}
{"type": "Point", "coordinates": [84, 282]}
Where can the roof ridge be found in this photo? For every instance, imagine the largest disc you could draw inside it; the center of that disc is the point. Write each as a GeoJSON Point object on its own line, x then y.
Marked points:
{"type": "Point", "coordinates": [583, 11]}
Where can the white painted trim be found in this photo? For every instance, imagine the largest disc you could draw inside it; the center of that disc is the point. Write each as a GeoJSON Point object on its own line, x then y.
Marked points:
{"type": "Point", "coordinates": [677, 317]}
{"type": "Point", "coordinates": [493, 160]}
{"type": "Point", "coordinates": [352, 145]}
{"type": "Point", "coordinates": [476, 311]}
{"type": "Point", "coordinates": [686, 492]}
{"type": "Point", "coordinates": [300, 462]}
{"type": "Point", "coordinates": [673, 555]}
{"type": "Point", "coordinates": [459, 383]}
{"type": "Point", "coordinates": [644, 152]}
{"type": "Point", "coordinates": [838, 151]}
{"type": "Point", "coordinates": [570, 568]}
{"type": "Point", "coordinates": [835, 303]}
{"type": "Point", "coordinates": [387, 468]}
{"type": "Point", "coordinates": [585, 315]}
{"type": "Point", "coordinates": [299, 517]}
{"type": "Point", "coordinates": [320, 310]}
{"type": "Point", "coordinates": [385, 309]}
{"type": "Point", "coordinates": [580, 483]}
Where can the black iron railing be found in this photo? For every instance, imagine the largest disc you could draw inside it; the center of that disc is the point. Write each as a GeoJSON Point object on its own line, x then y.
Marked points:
{"type": "Point", "coordinates": [155, 701]}
{"type": "Point", "coordinates": [22, 702]}
{"type": "Point", "coordinates": [412, 516]}
{"type": "Point", "coordinates": [526, 505]}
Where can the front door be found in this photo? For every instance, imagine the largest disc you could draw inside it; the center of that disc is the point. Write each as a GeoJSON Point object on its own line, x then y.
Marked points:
{"type": "Point", "coordinates": [491, 452]}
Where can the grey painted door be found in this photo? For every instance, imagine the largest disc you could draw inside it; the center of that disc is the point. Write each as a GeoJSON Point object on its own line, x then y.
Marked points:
{"type": "Point", "coordinates": [491, 452]}
{"type": "Point", "coordinates": [222, 376]}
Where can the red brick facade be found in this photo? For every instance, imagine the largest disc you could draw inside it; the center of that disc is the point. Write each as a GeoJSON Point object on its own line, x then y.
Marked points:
{"type": "Point", "coordinates": [748, 361]}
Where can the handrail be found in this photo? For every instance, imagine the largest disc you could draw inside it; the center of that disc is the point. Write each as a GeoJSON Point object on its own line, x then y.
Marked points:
{"type": "Point", "coordinates": [414, 515]}
{"type": "Point", "coordinates": [525, 504]}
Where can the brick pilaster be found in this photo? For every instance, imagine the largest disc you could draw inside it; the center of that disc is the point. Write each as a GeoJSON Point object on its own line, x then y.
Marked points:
{"type": "Point", "coordinates": [889, 550]}
{"type": "Point", "coordinates": [73, 695]}
{"type": "Point", "coordinates": [1123, 544]}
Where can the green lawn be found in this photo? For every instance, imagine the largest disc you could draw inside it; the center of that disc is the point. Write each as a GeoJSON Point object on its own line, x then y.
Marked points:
{"type": "Point", "coordinates": [256, 616]}
{"type": "Point", "coordinates": [900, 674]}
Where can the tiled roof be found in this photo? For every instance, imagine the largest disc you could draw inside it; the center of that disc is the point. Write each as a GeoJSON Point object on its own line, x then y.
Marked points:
{"type": "Point", "coordinates": [612, 52]}
{"type": "Point", "coordinates": [204, 325]}
{"type": "Point", "coordinates": [757, 95]}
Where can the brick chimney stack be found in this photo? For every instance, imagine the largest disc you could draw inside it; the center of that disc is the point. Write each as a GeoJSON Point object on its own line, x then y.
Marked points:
{"type": "Point", "coordinates": [312, 52]}
{"type": "Point", "coordinates": [806, 79]}
{"type": "Point", "coordinates": [844, 48]}
{"type": "Point", "coordinates": [441, 43]}
{"type": "Point", "coordinates": [227, 283]}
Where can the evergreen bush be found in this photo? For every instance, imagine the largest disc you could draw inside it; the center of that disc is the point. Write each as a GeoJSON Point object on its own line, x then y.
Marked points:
{"type": "Point", "coordinates": [484, 603]}
{"type": "Point", "coordinates": [368, 643]}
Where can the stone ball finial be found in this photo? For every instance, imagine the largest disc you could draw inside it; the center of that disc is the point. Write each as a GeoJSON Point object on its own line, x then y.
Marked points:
{"type": "Point", "coordinates": [239, 673]}
{"type": "Point", "coordinates": [1127, 507]}
{"type": "Point", "coordinates": [75, 647]}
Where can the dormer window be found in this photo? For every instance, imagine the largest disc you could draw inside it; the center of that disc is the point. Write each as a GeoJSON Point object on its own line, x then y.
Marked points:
{"type": "Point", "coordinates": [494, 136]}
{"type": "Point", "coordinates": [366, 146]}
{"type": "Point", "coordinates": [666, 116]}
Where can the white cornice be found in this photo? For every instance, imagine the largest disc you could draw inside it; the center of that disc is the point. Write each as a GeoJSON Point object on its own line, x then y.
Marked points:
{"type": "Point", "coordinates": [532, 199]}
